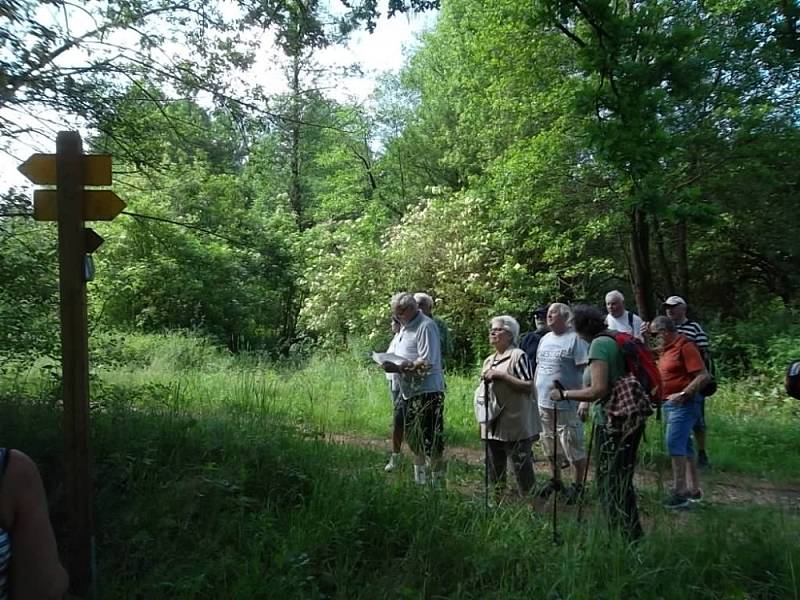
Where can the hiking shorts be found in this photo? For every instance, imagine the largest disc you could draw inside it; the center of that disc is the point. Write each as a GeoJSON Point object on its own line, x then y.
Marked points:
{"type": "Point", "coordinates": [569, 431]}
{"type": "Point", "coordinates": [681, 420]}
{"type": "Point", "coordinates": [425, 423]}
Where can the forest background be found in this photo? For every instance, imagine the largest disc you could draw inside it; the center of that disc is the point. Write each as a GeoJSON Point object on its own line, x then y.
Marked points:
{"type": "Point", "coordinates": [528, 152]}
{"type": "Point", "coordinates": [525, 154]}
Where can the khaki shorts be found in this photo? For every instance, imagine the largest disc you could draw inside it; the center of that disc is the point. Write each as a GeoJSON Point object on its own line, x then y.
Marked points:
{"type": "Point", "coordinates": [570, 435]}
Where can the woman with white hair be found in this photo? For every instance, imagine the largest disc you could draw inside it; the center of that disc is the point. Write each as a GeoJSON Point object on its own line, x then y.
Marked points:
{"type": "Point", "coordinates": [510, 381]}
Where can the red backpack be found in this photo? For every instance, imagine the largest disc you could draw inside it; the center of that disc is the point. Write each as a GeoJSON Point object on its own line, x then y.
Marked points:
{"type": "Point", "coordinates": [640, 361]}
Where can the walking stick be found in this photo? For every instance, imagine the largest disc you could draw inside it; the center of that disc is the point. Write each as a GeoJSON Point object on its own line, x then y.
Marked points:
{"type": "Point", "coordinates": [560, 389]}
{"type": "Point", "coordinates": [486, 443]}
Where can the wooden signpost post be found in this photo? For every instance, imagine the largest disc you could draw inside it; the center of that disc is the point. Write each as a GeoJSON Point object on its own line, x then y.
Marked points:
{"type": "Point", "coordinates": [69, 204]}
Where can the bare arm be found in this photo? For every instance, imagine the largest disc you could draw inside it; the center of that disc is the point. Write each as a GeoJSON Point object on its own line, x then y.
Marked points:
{"type": "Point", "coordinates": [597, 390]}
{"type": "Point", "coordinates": [701, 379]}
{"type": "Point", "coordinates": [36, 571]}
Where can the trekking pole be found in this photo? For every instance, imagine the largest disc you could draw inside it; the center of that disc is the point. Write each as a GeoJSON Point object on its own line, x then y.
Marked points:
{"type": "Point", "coordinates": [586, 472]}
{"type": "Point", "coordinates": [555, 483]}
{"type": "Point", "coordinates": [486, 443]}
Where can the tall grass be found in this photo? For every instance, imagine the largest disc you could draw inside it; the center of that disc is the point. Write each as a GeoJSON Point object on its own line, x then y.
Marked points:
{"type": "Point", "coordinates": [749, 420]}
{"type": "Point", "coordinates": [217, 481]}
{"type": "Point", "coordinates": [220, 506]}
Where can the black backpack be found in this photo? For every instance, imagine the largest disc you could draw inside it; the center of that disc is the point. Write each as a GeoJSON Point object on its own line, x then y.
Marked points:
{"type": "Point", "coordinates": [793, 379]}
{"type": "Point", "coordinates": [711, 387]}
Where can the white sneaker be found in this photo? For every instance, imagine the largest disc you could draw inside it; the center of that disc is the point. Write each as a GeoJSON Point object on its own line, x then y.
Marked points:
{"type": "Point", "coordinates": [420, 475]}
{"type": "Point", "coordinates": [394, 462]}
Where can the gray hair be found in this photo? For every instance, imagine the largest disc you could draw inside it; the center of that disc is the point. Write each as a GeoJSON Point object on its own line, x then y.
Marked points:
{"type": "Point", "coordinates": [615, 294]}
{"type": "Point", "coordinates": [662, 323]}
{"type": "Point", "coordinates": [403, 301]}
{"type": "Point", "coordinates": [564, 310]}
{"type": "Point", "coordinates": [423, 299]}
{"type": "Point", "coordinates": [509, 324]}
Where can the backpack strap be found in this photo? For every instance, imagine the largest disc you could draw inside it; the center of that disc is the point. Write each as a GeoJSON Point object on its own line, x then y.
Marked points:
{"type": "Point", "coordinates": [5, 453]}
{"type": "Point", "coordinates": [630, 321]}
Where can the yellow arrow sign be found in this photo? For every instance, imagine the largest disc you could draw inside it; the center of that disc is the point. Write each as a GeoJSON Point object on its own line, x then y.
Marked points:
{"type": "Point", "coordinates": [98, 205]}
{"type": "Point", "coordinates": [41, 169]}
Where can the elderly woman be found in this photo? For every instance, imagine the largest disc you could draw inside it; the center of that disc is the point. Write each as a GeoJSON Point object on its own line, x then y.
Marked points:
{"type": "Point", "coordinates": [616, 445]}
{"type": "Point", "coordinates": [512, 433]}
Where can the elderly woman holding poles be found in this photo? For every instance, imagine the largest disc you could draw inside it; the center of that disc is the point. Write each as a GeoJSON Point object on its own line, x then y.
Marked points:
{"type": "Point", "coordinates": [617, 442]}
{"type": "Point", "coordinates": [506, 376]}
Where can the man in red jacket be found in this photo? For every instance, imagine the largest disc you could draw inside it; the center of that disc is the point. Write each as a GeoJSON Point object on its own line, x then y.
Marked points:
{"type": "Point", "coordinates": [683, 375]}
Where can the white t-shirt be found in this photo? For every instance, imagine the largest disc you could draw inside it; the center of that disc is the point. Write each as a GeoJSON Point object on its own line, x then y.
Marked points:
{"type": "Point", "coordinates": [563, 358]}
{"type": "Point", "coordinates": [623, 324]}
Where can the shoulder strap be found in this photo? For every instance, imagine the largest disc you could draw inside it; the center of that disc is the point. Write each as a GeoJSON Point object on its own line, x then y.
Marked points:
{"type": "Point", "coordinates": [630, 321]}
{"type": "Point", "coordinates": [4, 454]}
{"type": "Point", "coordinates": [496, 363]}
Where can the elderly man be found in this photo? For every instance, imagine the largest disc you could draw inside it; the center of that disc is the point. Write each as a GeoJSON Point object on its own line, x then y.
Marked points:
{"type": "Point", "coordinates": [561, 356]}
{"type": "Point", "coordinates": [676, 308]}
{"type": "Point", "coordinates": [620, 319]}
{"type": "Point", "coordinates": [425, 303]}
{"type": "Point", "coordinates": [683, 375]}
{"type": "Point", "coordinates": [421, 385]}
{"type": "Point", "coordinates": [529, 343]}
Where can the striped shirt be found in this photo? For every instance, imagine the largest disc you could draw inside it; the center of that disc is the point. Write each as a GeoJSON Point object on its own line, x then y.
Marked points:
{"type": "Point", "coordinates": [5, 542]}
{"type": "Point", "coordinates": [694, 333]}
{"type": "Point", "coordinates": [522, 370]}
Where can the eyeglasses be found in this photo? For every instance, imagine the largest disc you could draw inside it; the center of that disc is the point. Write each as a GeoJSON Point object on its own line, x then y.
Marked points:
{"type": "Point", "coordinates": [497, 330]}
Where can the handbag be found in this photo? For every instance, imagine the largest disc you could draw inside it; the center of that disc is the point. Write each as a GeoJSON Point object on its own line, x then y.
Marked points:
{"type": "Point", "coordinates": [485, 403]}
{"type": "Point", "coordinates": [487, 408]}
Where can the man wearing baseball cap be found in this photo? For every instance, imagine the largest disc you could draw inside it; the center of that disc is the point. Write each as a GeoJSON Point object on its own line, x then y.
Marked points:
{"type": "Point", "coordinates": [676, 307]}
{"type": "Point", "coordinates": [529, 341]}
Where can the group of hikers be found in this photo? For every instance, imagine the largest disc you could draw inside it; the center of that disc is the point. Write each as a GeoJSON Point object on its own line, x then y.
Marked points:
{"type": "Point", "coordinates": [579, 364]}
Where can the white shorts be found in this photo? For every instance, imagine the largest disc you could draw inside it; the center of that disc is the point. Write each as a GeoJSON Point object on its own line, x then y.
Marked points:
{"type": "Point", "coordinates": [570, 435]}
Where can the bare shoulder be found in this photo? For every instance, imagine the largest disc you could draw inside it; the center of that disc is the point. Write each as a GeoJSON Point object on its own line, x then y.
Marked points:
{"type": "Point", "coordinates": [21, 470]}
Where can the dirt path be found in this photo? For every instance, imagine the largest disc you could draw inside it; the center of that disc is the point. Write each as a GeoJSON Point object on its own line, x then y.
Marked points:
{"type": "Point", "coordinates": [720, 487]}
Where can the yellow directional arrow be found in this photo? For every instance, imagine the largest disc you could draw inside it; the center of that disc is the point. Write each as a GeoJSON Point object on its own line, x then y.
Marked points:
{"type": "Point", "coordinates": [98, 205]}
{"type": "Point", "coordinates": [41, 169]}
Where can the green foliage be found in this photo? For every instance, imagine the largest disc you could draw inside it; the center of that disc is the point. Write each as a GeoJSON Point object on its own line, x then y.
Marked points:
{"type": "Point", "coordinates": [29, 294]}
{"type": "Point", "coordinates": [762, 344]}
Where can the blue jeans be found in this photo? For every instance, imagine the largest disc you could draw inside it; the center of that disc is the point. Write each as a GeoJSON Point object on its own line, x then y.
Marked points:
{"type": "Point", "coordinates": [681, 420]}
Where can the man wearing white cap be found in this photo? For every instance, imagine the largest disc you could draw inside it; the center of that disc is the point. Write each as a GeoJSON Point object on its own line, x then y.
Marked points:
{"type": "Point", "coordinates": [675, 307]}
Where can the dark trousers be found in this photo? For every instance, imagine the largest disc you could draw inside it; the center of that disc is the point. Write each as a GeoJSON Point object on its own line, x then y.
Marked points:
{"type": "Point", "coordinates": [616, 461]}
{"type": "Point", "coordinates": [521, 460]}
{"type": "Point", "coordinates": [424, 423]}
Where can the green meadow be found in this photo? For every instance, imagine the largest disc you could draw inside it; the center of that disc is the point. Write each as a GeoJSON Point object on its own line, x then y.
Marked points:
{"type": "Point", "coordinates": [229, 477]}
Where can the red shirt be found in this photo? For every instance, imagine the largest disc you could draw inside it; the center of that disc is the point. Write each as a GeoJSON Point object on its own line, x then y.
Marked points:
{"type": "Point", "coordinates": [679, 364]}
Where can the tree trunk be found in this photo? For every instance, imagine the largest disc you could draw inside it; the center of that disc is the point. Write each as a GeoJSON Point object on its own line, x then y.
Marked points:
{"type": "Point", "coordinates": [682, 253]}
{"type": "Point", "coordinates": [295, 193]}
{"type": "Point", "coordinates": [663, 262]}
{"type": "Point", "coordinates": [642, 272]}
